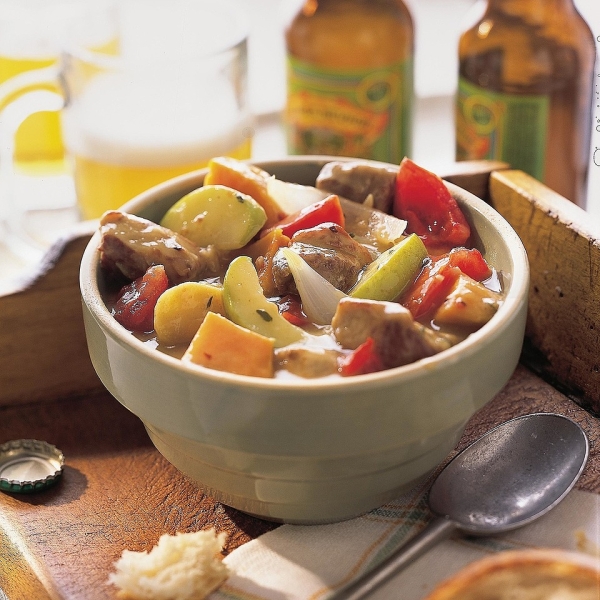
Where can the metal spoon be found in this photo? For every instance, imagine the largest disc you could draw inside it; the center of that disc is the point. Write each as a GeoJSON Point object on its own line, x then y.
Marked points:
{"type": "Point", "coordinates": [512, 475]}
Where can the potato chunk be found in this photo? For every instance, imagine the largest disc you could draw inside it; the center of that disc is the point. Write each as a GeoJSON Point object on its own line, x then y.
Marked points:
{"type": "Point", "coordinates": [181, 310]}
{"type": "Point", "coordinates": [248, 179]}
{"type": "Point", "coordinates": [216, 215]}
{"type": "Point", "coordinates": [469, 305]}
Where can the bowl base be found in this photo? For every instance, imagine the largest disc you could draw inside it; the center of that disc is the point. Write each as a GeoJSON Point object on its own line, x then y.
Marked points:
{"type": "Point", "coordinates": [310, 501]}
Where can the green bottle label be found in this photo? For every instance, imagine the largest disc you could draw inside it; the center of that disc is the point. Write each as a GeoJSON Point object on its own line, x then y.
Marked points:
{"type": "Point", "coordinates": [362, 113]}
{"type": "Point", "coordinates": [507, 127]}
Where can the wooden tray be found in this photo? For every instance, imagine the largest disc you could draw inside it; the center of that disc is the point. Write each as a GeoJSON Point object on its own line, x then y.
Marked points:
{"type": "Point", "coordinates": [117, 491]}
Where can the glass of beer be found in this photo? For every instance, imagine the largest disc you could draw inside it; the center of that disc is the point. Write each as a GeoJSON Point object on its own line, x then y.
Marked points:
{"type": "Point", "coordinates": [172, 95]}
{"type": "Point", "coordinates": [32, 33]}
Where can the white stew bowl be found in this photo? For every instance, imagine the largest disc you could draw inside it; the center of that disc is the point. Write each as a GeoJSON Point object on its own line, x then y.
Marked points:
{"type": "Point", "coordinates": [309, 451]}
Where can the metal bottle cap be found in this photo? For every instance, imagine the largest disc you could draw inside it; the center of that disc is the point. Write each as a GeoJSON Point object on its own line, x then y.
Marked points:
{"type": "Point", "coordinates": [29, 465]}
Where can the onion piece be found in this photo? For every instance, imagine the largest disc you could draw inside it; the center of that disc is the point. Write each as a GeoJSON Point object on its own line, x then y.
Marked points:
{"type": "Point", "coordinates": [292, 197]}
{"type": "Point", "coordinates": [319, 297]}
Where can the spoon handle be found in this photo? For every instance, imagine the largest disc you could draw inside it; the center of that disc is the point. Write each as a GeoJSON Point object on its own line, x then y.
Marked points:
{"type": "Point", "coordinates": [437, 530]}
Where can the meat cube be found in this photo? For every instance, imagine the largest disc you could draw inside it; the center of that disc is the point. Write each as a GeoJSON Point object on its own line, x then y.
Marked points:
{"type": "Point", "coordinates": [131, 244]}
{"type": "Point", "coordinates": [399, 340]}
{"type": "Point", "coordinates": [307, 362]}
{"type": "Point", "coordinates": [357, 180]}
{"type": "Point", "coordinates": [330, 251]}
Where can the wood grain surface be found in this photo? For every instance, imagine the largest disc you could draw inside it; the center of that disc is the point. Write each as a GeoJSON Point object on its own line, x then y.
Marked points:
{"type": "Point", "coordinates": [116, 492]}
{"type": "Point", "coordinates": [43, 351]}
{"type": "Point", "coordinates": [563, 247]}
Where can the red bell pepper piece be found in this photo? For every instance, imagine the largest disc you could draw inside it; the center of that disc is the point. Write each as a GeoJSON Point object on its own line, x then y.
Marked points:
{"type": "Point", "coordinates": [422, 199]}
{"type": "Point", "coordinates": [431, 288]}
{"type": "Point", "coordinates": [135, 304]}
{"type": "Point", "coordinates": [362, 360]}
{"type": "Point", "coordinates": [470, 262]}
{"type": "Point", "coordinates": [435, 281]}
{"type": "Point", "coordinates": [290, 309]}
{"type": "Point", "coordinates": [328, 210]}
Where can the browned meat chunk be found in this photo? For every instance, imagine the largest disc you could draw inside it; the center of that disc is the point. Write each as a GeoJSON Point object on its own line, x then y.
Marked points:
{"type": "Point", "coordinates": [357, 180]}
{"type": "Point", "coordinates": [330, 251]}
{"type": "Point", "coordinates": [307, 362]}
{"type": "Point", "coordinates": [131, 244]}
{"type": "Point", "coordinates": [399, 340]}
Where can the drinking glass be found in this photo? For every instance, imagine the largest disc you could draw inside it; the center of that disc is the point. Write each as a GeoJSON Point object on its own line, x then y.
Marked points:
{"type": "Point", "coordinates": [170, 95]}
{"type": "Point", "coordinates": [32, 34]}
{"type": "Point", "coordinates": [34, 175]}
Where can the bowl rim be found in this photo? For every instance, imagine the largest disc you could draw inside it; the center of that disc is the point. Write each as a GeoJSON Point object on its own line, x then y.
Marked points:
{"type": "Point", "coordinates": [509, 309]}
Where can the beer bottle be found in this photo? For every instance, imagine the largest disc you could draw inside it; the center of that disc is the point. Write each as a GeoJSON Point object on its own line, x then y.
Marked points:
{"type": "Point", "coordinates": [526, 71]}
{"type": "Point", "coordinates": [350, 79]}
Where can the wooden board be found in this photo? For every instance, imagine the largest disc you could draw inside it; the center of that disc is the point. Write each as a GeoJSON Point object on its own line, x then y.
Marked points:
{"type": "Point", "coordinates": [563, 247]}
{"type": "Point", "coordinates": [43, 350]}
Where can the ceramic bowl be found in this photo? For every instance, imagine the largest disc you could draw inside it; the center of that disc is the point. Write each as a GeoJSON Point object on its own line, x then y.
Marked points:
{"type": "Point", "coordinates": [309, 451]}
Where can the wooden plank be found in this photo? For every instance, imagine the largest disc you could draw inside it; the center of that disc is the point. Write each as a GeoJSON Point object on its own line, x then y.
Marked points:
{"type": "Point", "coordinates": [43, 351]}
{"type": "Point", "coordinates": [21, 574]}
{"type": "Point", "coordinates": [563, 246]}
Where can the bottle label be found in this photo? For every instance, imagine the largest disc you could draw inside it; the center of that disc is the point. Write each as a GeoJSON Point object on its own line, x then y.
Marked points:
{"type": "Point", "coordinates": [507, 127]}
{"type": "Point", "coordinates": [362, 113]}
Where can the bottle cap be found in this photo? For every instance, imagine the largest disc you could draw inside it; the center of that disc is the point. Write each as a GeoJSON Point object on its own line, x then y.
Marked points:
{"type": "Point", "coordinates": [29, 465]}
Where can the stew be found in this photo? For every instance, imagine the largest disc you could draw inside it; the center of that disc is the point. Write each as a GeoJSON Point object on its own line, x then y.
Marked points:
{"type": "Point", "coordinates": [330, 287]}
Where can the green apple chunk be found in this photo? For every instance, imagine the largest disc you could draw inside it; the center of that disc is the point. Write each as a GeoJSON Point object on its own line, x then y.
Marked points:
{"type": "Point", "coordinates": [216, 215]}
{"type": "Point", "coordinates": [392, 271]}
{"type": "Point", "coordinates": [246, 305]}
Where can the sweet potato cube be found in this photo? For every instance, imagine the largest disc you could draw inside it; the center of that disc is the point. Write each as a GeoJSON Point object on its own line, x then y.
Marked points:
{"type": "Point", "coordinates": [222, 345]}
{"type": "Point", "coordinates": [247, 179]}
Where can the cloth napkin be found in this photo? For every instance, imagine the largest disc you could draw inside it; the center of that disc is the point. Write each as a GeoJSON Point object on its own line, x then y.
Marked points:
{"type": "Point", "coordinates": [309, 562]}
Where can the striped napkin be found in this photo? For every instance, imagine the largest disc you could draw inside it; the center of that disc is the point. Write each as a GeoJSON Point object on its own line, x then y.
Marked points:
{"type": "Point", "coordinates": [297, 562]}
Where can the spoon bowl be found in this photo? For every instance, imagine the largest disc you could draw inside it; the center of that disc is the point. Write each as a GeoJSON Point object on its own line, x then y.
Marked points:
{"type": "Point", "coordinates": [509, 477]}
{"type": "Point", "coordinates": [512, 475]}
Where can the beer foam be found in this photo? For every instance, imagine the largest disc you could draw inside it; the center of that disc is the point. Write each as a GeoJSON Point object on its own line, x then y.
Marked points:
{"type": "Point", "coordinates": [154, 121]}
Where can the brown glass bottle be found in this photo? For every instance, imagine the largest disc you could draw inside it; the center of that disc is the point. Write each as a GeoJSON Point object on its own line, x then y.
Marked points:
{"type": "Point", "coordinates": [526, 71]}
{"type": "Point", "coordinates": [350, 79]}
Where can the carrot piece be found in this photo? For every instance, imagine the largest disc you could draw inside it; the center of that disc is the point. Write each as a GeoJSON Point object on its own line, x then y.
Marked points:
{"type": "Point", "coordinates": [264, 262]}
{"type": "Point", "coordinates": [245, 178]}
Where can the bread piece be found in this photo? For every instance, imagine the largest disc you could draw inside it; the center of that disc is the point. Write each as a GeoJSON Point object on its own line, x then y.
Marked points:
{"type": "Point", "coordinates": [537, 574]}
{"type": "Point", "coordinates": [186, 566]}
